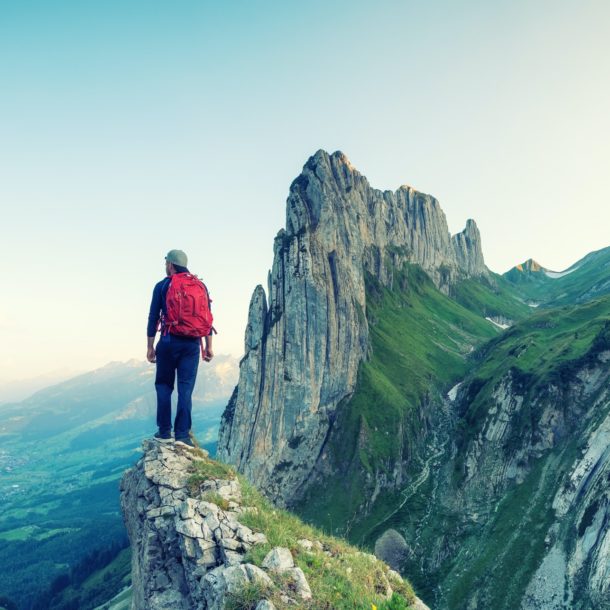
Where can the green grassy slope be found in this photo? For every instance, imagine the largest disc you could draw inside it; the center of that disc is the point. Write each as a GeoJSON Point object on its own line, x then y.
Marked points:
{"type": "Point", "coordinates": [420, 342]}
{"type": "Point", "coordinates": [340, 575]}
{"type": "Point", "coordinates": [101, 586]}
{"type": "Point", "coordinates": [493, 297]}
{"type": "Point", "coordinates": [550, 348]}
{"type": "Point", "coordinates": [547, 347]}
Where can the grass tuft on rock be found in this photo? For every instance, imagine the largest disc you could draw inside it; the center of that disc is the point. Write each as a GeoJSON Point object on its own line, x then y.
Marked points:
{"type": "Point", "coordinates": [204, 469]}
{"type": "Point", "coordinates": [215, 498]}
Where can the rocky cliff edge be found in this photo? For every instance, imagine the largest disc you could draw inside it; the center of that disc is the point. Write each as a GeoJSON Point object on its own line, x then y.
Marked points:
{"type": "Point", "coordinates": [202, 539]}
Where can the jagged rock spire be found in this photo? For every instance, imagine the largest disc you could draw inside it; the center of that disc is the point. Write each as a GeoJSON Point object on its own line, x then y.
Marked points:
{"type": "Point", "coordinates": [304, 347]}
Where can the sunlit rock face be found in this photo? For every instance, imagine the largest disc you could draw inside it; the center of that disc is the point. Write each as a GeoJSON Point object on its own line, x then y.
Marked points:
{"type": "Point", "coordinates": [306, 337]}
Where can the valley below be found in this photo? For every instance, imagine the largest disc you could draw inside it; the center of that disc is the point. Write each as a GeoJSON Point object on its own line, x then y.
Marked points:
{"type": "Point", "coordinates": [62, 454]}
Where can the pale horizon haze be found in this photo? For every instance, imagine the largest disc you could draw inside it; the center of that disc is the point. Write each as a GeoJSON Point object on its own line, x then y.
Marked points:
{"type": "Point", "coordinates": [131, 128]}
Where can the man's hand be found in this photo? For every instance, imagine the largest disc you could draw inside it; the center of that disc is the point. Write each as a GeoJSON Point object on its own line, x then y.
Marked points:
{"type": "Point", "coordinates": [208, 354]}
{"type": "Point", "coordinates": [151, 355]}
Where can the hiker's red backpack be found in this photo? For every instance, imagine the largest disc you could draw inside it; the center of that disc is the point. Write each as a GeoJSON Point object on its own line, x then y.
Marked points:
{"type": "Point", "coordinates": [188, 307]}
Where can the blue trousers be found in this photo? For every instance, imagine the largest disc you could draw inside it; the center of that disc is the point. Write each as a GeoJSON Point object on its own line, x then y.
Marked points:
{"type": "Point", "coordinates": [176, 355]}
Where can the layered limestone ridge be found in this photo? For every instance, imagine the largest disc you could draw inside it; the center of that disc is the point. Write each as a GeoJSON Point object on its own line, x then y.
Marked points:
{"type": "Point", "coordinates": [306, 338]}
{"type": "Point", "coordinates": [576, 564]}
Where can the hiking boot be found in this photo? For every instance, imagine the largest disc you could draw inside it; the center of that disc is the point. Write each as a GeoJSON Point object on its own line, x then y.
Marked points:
{"type": "Point", "coordinates": [185, 442]}
{"type": "Point", "coordinates": [163, 437]}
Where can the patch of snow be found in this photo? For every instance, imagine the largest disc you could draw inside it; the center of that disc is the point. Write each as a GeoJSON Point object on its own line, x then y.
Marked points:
{"type": "Point", "coordinates": [554, 274]}
{"type": "Point", "coordinates": [498, 324]}
{"type": "Point", "coordinates": [453, 391]}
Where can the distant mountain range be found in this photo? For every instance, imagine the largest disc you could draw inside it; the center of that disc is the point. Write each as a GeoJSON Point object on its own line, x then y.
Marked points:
{"type": "Point", "coordinates": [584, 280]}
{"type": "Point", "coordinates": [15, 391]}
{"type": "Point", "coordinates": [62, 452]}
{"type": "Point", "coordinates": [393, 387]}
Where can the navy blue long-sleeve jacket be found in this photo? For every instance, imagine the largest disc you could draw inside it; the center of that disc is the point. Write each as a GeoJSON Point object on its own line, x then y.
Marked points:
{"type": "Point", "coordinates": [158, 306]}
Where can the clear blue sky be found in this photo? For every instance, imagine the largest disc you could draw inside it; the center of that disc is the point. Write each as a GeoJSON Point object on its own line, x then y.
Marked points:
{"type": "Point", "coordinates": [132, 127]}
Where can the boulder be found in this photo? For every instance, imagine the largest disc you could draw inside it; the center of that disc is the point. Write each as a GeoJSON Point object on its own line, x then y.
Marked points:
{"type": "Point", "coordinates": [278, 559]}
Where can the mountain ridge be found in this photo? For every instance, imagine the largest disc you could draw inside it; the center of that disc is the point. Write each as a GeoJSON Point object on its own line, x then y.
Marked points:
{"type": "Point", "coordinates": [585, 279]}
{"type": "Point", "coordinates": [366, 445]}
{"type": "Point", "coordinates": [313, 318]}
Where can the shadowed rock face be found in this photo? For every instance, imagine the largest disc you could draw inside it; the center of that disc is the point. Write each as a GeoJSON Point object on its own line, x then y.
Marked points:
{"type": "Point", "coordinates": [306, 338]}
{"type": "Point", "coordinates": [567, 508]}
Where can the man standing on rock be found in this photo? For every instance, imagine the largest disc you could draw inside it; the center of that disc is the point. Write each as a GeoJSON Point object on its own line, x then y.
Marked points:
{"type": "Point", "coordinates": [180, 308]}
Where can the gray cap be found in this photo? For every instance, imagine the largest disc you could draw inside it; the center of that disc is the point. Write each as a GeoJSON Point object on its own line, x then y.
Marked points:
{"type": "Point", "coordinates": [177, 257]}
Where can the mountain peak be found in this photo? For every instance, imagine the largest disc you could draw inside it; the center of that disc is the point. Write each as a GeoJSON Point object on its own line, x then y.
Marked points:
{"type": "Point", "coordinates": [321, 156]}
{"type": "Point", "coordinates": [530, 266]}
{"type": "Point", "coordinates": [471, 226]}
{"type": "Point", "coordinates": [527, 272]}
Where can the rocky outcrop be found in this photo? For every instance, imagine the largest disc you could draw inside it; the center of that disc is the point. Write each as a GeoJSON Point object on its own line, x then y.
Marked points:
{"type": "Point", "coordinates": [190, 545]}
{"type": "Point", "coordinates": [187, 553]}
{"type": "Point", "coordinates": [468, 251]}
{"type": "Point", "coordinates": [306, 338]}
